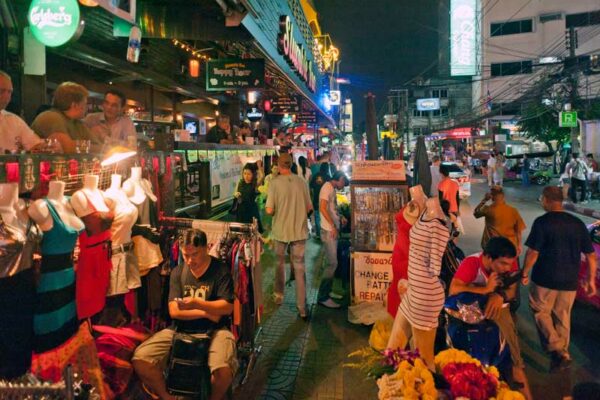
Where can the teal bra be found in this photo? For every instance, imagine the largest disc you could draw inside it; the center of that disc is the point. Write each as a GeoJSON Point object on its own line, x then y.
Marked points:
{"type": "Point", "coordinates": [61, 238]}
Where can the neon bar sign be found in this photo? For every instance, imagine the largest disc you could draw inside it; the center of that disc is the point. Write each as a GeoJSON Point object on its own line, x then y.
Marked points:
{"type": "Point", "coordinates": [294, 53]}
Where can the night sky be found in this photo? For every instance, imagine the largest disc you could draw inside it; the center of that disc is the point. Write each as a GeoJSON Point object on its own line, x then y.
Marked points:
{"type": "Point", "coordinates": [383, 43]}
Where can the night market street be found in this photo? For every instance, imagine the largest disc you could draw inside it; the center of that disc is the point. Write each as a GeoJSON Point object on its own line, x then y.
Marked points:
{"type": "Point", "coordinates": [303, 360]}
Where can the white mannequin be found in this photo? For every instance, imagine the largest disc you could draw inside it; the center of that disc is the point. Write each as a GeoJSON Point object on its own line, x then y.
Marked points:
{"type": "Point", "coordinates": [12, 209]}
{"type": "Point", "coordinates": [125, 212]}
{"type": "Point", "coordinates": [433, 209]}
{"type": "Point", "coordinates": [138, 188]}
{"type": "Point", "coordinates": [89, 194]}
{"type": "Point", "coordinates": [415, 207]}
{"type": "Point", "coordinates": [40, 213]}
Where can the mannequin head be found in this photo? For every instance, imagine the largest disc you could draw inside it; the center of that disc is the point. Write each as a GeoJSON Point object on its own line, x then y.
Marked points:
{"type": "Point", "coordinates": [90, 182]}
{"type": "Point", "coordinates": [418, 195]}
{"type": "Point", "coordinates": [136, 173]}
{"type": "Point", "coordinates": [115, 181]}
{"type": "Point", "coordinates": [433, 209]}
{"type": "Point", "coordinates": [56, 190]}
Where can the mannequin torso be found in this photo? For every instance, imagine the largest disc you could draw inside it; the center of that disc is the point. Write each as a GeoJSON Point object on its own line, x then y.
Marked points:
{"type": "Point", "coordinates": [92, 207]}
{"type": "Point", "coordinates": [12, 209]}
{"type": "Point", "coordinates": [125, 212]}
{"type": "Point", "coordinates": [40, 213]}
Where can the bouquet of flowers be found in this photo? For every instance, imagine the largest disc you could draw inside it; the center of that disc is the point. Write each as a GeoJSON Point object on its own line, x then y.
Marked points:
{"type": "Point", "coordinates": [410, 382]}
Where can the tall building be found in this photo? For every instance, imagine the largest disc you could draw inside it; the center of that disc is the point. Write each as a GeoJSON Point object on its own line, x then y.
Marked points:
{"type": "Point", "coordinates": [524, 41]}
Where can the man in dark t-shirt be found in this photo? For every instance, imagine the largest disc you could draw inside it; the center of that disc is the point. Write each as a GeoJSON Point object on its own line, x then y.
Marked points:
{"type": "Point", "coordinates": [200, 302]}
{"type": "Point", "coordinates": [221, 132]}
{"type": "Point", "coordinates": [555, 244]}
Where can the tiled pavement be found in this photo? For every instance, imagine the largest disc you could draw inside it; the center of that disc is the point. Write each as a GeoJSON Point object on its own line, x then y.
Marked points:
{"type": "Point", "coordinates": [303, 359]}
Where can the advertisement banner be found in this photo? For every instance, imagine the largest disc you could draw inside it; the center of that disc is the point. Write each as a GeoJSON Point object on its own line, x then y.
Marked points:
{"type": "Point", "coordinates": [372, 277]}
{"type": "Point", "coordinates": [225, 172]}
{"type": "Point", "coordinates": [464, 36]}
{"type": "Point", "coordinates": [307, 117]}
{"type": "Point", "coordinates": [235, 73]}
{"type": "Point", "coordinates": [428, 104]}
{"type": "Point", "coordinates": [388, 170]}
{"type": "Point", "coordinates": [285, 105]}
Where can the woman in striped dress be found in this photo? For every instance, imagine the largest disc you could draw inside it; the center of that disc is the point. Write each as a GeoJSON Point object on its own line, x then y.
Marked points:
{"type": "Point", "coordinates": [422, 303]}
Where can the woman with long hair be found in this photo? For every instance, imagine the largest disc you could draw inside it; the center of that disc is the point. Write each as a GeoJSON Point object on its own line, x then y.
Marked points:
{"type": "Point", "coordinates": [246, 193]}
{"type": "Point", "coordinates": [304, 171]}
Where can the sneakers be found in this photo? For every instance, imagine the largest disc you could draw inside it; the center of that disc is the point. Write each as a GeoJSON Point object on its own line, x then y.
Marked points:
{"type": "Point", "coordinates": [336, 296]}
{"type": "Point", "coordinates": [278, 298]}
{"type": "Point", "coordinates": [329, 303]}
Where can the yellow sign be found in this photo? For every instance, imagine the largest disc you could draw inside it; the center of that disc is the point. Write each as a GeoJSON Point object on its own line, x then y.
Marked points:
{"type": "Point", "coordinates": [388, 170]}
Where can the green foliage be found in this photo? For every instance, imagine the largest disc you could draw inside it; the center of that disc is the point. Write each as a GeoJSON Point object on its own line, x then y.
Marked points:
{"type": "Point", "coordinates": [540, 122]}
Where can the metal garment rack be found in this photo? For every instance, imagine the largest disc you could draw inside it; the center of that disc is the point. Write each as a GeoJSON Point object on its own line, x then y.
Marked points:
{"type": "Point", "coordinates": [209, 225]}
{"type": "Point", "coordinates": [33, 388]}
{"type": "Point", "coordinates": [247, 354]}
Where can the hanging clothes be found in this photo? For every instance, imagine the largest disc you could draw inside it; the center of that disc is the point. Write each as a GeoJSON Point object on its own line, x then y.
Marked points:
{"type": "Point", "coordinates": [94, 264]}
{"type": "Point", "coordinates": [55, 319]}
{"type": "Point", "coordinates": [16, 301]}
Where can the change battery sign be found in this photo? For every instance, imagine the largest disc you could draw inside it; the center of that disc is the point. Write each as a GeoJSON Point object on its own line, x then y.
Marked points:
{"type": "Point", "coordinates": [372, 276]}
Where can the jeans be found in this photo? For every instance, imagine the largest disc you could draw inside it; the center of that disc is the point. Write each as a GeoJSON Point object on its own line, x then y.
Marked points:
{"type": "Point", "coordinates": [317, 221]}
{"type": "Point", "coordinates": [330, 245]}
{"type": "Point", "coordinates": [525, 177]}
{"type": "Point", "coordinates": [297, 256]}
{"type": "Point", "coordinates": [552, 313]}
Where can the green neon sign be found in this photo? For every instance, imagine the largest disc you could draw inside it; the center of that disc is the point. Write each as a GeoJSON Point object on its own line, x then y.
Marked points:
{"type": "Point", "coordinates": [53, 22]}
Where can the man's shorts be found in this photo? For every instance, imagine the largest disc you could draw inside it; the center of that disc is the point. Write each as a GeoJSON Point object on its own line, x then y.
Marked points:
{"type": "Point", "coordinates": [221, 352]}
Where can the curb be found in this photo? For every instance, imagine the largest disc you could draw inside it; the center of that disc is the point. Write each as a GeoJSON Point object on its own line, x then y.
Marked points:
{"type": "Point", "coordinates": [586, 211]}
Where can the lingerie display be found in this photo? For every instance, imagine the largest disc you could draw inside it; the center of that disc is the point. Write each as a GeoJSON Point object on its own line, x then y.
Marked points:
{"type": "Point", "coordinates": [16, 310]}
{"type": "Point", "coordinates": [55, 319]}
{"type": "Point", "coordinates": [94, 264]}
{"type": "Point", "coordinates": [125, 274]}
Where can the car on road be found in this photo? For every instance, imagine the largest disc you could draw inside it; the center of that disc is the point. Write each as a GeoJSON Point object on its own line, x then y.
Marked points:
{"type": "Point", "coordinates": [462, 177]}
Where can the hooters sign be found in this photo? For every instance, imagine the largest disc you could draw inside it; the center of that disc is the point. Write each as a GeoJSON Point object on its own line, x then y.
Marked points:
{"type": "Point", "coordinates": [294, 53]}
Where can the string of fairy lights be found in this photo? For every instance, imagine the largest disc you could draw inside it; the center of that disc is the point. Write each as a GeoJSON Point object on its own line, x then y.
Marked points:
{"type": "Point", "coordinates": [194, 52]}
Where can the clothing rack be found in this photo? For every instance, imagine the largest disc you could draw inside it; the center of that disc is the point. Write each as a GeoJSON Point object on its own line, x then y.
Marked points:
{"type": "Point", "coordinates": [209, 226]}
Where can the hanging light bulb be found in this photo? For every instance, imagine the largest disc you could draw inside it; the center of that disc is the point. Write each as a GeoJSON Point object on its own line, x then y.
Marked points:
{"type": "Point", "coordinates": [88, 3]}
{"type": "Point", "coordinates": [194, 67]}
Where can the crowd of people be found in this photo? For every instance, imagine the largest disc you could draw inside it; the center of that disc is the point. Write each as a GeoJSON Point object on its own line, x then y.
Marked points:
{"type": "Point", "coordinates": [64, 126]}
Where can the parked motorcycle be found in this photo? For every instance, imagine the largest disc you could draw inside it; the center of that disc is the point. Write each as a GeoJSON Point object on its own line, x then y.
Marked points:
{"type": "Point", "coordinates": [541, 177]}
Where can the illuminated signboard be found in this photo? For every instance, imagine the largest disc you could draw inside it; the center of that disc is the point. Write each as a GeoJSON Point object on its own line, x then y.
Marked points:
{"type": "Point", "coordinates": [295, 54]}
{"type": "Point", "coordinates": [335, 97]}
{"type": "Point", "coordinates": [428, 104]}
{"type": "Point", "coordinates": [463, 37]}
{"type": "Point", "coordinates": [53, 22]}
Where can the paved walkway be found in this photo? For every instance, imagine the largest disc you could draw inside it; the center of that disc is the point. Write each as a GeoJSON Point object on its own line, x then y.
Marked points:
{"type": "Point", "coordinates": [303, 359]}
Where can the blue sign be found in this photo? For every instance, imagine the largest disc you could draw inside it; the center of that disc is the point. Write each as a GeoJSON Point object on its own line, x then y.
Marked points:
{"type": "Point", "coordinates": [428, 104]}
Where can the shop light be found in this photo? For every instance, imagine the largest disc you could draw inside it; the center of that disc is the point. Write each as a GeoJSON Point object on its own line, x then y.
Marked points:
{"type": "Point", "coordinates": [217, 113]}
{"type": "Point", "coordinates": [88, 3]}
{"type": "Point", "coordinates": [117, 154]}
{"type": "Point", "coordinates": [252, 95]}
{"type": "Point", "coordinates": [194, 68]}
{"type": "Point", "coordinates": [267, 105]}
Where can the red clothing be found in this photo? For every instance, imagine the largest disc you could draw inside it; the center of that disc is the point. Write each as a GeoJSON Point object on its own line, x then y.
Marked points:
{"type": "Point", "coordinates": [93, 273]}
{"type": "Point", "coordinates": [450, 190]}
{"type": "Point", "coordinates": [399, 262]}
{"type": "Point", "coordinates": [471, 270]}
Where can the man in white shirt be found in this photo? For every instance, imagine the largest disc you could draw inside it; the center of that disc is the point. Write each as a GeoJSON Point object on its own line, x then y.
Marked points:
{"type": "Point", "coordinates": [491, 169]}
{"type": "Point", "coordinates": [578, 171]}
{"type": "Point", "coordinates": [111, 125]}
{"type": "Point", "coordinates": [330, 232]}
{"type": "Point", "coordinates": [15, 135]}
{"type": "Point", "coordinates": [436, 177]}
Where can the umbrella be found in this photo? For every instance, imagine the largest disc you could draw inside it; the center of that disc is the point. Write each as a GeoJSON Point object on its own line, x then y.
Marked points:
{"type": "Point", "coordinates": [421, 171]}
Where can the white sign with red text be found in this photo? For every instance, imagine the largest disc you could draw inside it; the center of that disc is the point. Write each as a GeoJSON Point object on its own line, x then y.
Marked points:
{"type": "Point", "coordinates": [372, 276]}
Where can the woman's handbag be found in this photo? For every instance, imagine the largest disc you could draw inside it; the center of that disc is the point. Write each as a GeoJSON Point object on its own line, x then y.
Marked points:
{"type": "Point", "coordinates": [188, 373]}
{"type": "Point", "coordinates": [235, 206]}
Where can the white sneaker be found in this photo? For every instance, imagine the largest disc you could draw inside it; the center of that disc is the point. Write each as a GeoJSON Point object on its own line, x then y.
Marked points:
{"type": "Point", "coordinates": [329, 303]}
{"type": "Point", "coordinates": [336, 296]}
{"type": "Point", "coordinates": [278, 298]}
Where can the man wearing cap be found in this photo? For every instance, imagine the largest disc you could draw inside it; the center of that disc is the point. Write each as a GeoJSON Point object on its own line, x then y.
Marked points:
{"type": "Point", "coordinates": [500, 219]}
{"type": "Point", "coordinates": [288, 201]}
{"type": "Point", "coordinates": [330, 230]}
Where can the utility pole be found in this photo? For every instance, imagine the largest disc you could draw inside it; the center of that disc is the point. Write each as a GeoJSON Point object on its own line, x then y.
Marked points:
{"type": "Point", "coordinates": [572, 43]}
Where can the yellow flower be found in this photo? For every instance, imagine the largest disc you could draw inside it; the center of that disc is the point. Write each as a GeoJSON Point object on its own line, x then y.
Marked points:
{"type": "Point", "coordinates": [507, 394]}
{"type": "Point", "coordinates": [494, 371]}
{"type": "Point", "coordinates": [342, 199]}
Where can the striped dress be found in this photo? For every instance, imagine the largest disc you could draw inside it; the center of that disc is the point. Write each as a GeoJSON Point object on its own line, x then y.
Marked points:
{"type": "Point", "coordinates": [422, 303]}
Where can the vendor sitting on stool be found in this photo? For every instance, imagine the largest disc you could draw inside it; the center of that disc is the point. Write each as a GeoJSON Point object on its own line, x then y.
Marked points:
{"type": "Point", "coordinates": [200, 302]}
